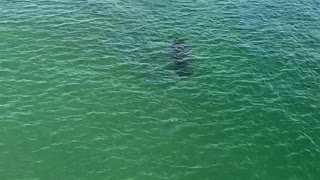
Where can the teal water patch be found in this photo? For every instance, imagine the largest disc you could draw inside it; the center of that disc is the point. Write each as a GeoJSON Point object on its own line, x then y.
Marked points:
{"type": "Point", "coordinates": [87, 91]}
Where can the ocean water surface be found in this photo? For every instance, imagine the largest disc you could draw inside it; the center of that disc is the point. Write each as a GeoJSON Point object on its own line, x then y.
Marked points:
{"type": "Point", "coordinates": [88, 92]}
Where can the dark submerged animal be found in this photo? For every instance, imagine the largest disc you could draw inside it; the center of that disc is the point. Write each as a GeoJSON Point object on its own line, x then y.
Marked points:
{"type": "Point", "coordinates": [180, 56]}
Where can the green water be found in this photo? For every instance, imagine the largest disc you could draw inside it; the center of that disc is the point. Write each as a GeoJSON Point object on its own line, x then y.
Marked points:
{"type": "Point", "coordinates": [87, 91]}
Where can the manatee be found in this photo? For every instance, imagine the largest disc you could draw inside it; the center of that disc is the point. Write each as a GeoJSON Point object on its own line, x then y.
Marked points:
{"type": "Point", "coordinates": [180, 56]}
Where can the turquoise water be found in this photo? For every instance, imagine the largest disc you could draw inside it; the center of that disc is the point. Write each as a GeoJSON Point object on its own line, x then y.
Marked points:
{"type": "Point", "coordinates": [87, 91]}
